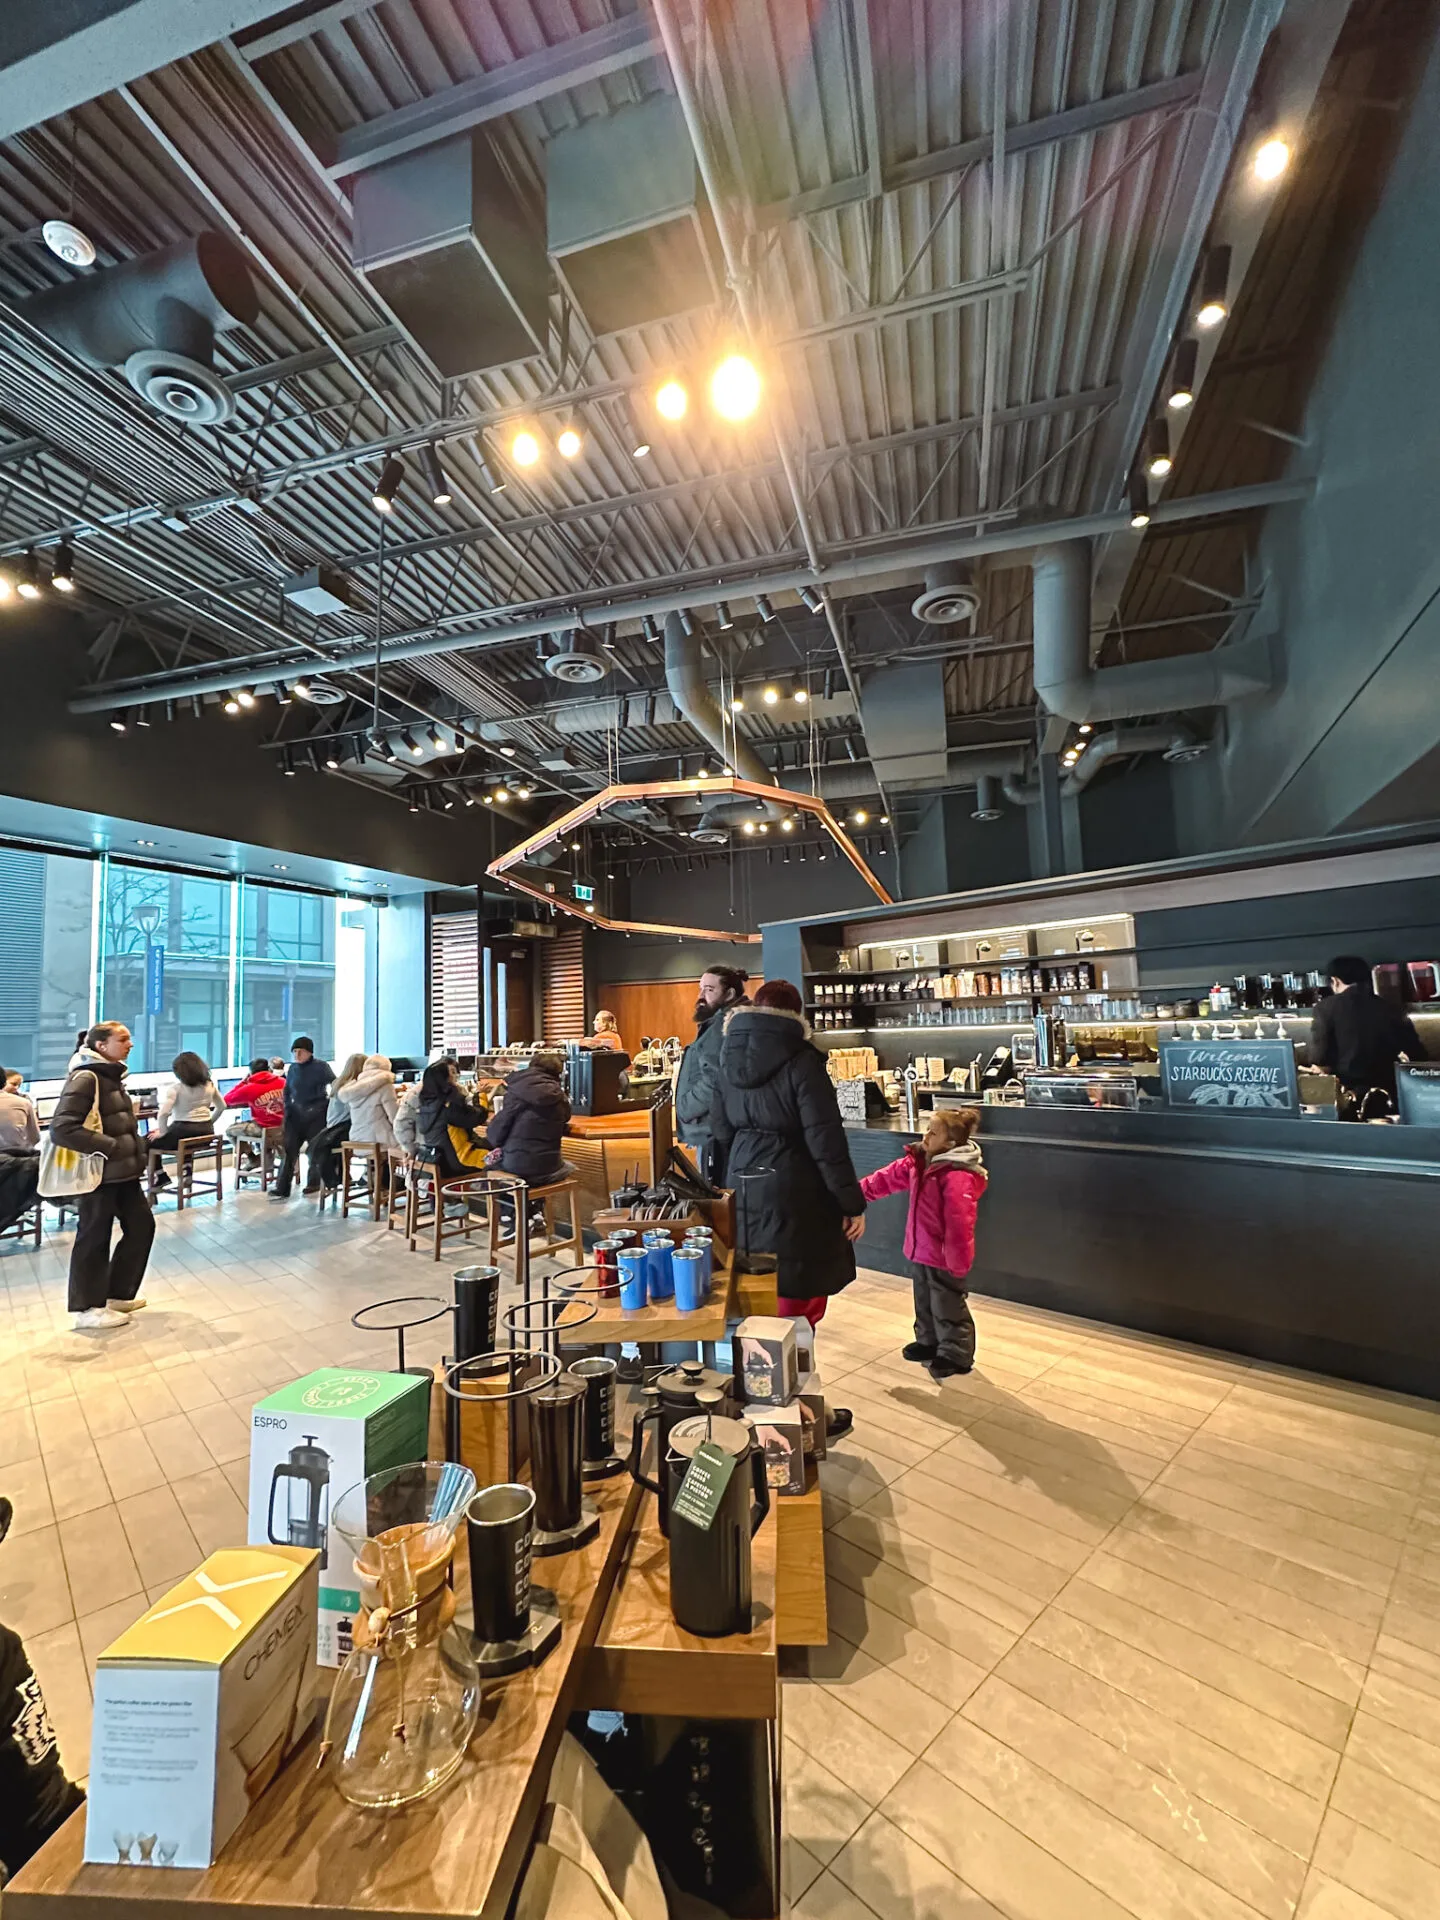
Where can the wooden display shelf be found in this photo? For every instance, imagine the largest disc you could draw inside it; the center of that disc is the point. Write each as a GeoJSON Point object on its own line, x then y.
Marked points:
{"type": "Point", "coordinates": [654, 1323]}
{"type": "Point", "coordinates": [802, 1616]}
{"type": "Point", "coordinates": [643, 1662]}
{"type": "Point", "coordinates": [303, 1853]}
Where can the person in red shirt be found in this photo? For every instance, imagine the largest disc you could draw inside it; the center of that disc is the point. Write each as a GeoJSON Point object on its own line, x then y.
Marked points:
{"type": "Point", "coordinates": [263, 1091]}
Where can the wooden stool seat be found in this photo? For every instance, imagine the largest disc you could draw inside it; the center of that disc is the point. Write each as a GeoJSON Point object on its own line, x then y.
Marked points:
{"type": "Point", "coordinates": [425, 1203]}
{"type": "Point", "coordinates": [398, 1179]}
{"type": "Point", "coordinates": [372, 1155]}
{"type": "Point", "coordinates": [262, 1161]}
{"type": "Point", "coordinates": [188, 1186]}
{"type": "Point", "coordinates": [26, 1225]}
{"type": "Point", "coordinates": [552, 1241]}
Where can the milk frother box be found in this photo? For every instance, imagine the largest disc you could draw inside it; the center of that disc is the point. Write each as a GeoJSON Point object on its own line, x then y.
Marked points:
{"type": "Point", "coordinates": [312, 1441]}
{"type": "Point", "coordinates": [766, 1372]}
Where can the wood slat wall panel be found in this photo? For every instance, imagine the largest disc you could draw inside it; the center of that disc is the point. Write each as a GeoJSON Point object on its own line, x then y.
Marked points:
{"type": "Point", "coordinates": [564, 1008]}
{"type": "Point", "coordinates": [454, 984]}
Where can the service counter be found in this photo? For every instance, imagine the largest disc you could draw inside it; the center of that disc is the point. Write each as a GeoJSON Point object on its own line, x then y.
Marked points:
{"type": "Point", "coordinates": [1307, 1242]}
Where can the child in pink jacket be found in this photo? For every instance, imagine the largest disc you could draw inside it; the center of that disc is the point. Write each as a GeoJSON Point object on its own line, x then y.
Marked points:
{"type": "Point", "coordinates": [945, 1178]}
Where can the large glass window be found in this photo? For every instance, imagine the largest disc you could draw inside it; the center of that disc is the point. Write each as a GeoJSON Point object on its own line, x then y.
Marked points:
{"type": "Point", "coordinates": [165, 963]}
{"type": "Point", "coordinates": [287, 971]}
{"type": "Point", "coordinates": [45, 958]}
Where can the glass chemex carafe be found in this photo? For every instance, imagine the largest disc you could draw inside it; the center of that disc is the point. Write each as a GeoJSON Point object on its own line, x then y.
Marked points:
{"type": "Point", "coordinates": [406, 1701]}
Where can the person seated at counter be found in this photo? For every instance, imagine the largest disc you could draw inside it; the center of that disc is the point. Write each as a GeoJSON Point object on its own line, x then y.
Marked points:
{"type": "Point", "coordinates": [531, 1124]}
{"type": "Point", "coordinates": [447, 1122]}
{"type": "Point", "coordinates": [19, 1151]}
{"type": "Point", "coordinates": [606, 1037]}
{"type": "Point", "coordinates": [1356, 1035]}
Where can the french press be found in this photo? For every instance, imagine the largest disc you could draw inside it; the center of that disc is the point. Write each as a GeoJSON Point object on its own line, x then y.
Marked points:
{"type": "Point", "coordinates": [671, 1397]}
{"type": "Point", "coordinates": [306, 1475]}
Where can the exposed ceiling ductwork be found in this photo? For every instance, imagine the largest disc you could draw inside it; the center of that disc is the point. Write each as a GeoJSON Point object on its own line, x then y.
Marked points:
{"type": "Point", "coordinates": [574, 657]}
{"type": "Point", "coordinates": [1175, 743]}
{"type": "Point", "coordinates": [950, 595]}
{"type": "Point", "coordinates": [685, 677]}
{"type": "Point", "coordinates": [154, 319]}
{"type": "Point", "coordinates": [1068, 686]}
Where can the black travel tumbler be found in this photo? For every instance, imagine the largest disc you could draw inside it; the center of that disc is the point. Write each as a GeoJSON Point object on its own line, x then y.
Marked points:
{"type": "Point", "coordinates": [477, 1303]}
{"type": "Point", "coordinates": [597, 1374]}
{"type": "Point", "coordinates": [556, 1440]}
{"type": "Point", "coordinates": [500, 1524]}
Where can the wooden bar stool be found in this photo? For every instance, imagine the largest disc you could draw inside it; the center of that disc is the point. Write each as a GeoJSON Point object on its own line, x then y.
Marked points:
{"type": "Point", "coordinates": [261, 1160]}
{"type": "Point", "coordinates": [372, 1155]}
{"type": "Point", "coordinates": [552, 1241]}
{"type": "Point", "coordinates": [189, 1156]}
{"type": "Point", "coordinates": [399, 1175]}
{"type": "Point", "coordinates": [25, 1226]}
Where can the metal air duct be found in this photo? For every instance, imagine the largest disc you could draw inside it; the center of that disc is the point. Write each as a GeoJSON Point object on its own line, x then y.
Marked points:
{"type": "Point", "coordinates": [155, 320]}
{"type": "Point", "coordinates": [1067, 684]}
{"type": "Point", "coordinates": [574, 657]}
{"type": "Point", "coordinates": [987, 798]}
{"type": "Point", "coordinates": [949, 595]}
{"type": "Point", "coordinates": [1175, 743]}
{"type": "Point", "coordinates": [685, 677]}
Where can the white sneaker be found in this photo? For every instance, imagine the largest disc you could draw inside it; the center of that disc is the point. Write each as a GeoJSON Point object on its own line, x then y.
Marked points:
{"type": "Point", "coordinates": [126, 1306]}
{"type": "Point", "coordinates": [99, 1320]}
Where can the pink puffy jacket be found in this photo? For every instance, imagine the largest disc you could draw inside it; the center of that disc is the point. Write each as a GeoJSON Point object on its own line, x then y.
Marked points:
{"type": "Point", "coordinates": [944, 1193]}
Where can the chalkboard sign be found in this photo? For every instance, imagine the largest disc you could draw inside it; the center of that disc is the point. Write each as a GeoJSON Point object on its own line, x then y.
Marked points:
{"type": "Point", "coordinates": [1258, 1075]}
{"type": "Point", "coordinates": [850, 1097]}
{"type": "Point", "coordinates": [1419, 1089]}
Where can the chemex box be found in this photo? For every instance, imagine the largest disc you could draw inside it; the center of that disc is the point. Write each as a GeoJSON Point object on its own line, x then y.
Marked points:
{"type": "Point", "coordinates": [766, 1370]}
{"type": "Point", "coordinates": [197, 1706]}
{"type": "Point", "coordinates": [780, 1433]}
{"type": "Point", "coordinates": [310, 1443]}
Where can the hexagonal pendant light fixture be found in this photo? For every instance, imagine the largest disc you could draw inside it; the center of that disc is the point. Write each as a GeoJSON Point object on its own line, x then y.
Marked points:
{"type": "Point", "coordinates": [509, 866]}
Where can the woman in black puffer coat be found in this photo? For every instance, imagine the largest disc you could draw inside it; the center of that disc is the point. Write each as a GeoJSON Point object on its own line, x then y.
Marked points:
{"type": "Point", "coordinates": [105, 1287]}
{"type": "Point", "coordinates": [775, 1113]}
{"type": "Point", "coordinates": [531, 1123]}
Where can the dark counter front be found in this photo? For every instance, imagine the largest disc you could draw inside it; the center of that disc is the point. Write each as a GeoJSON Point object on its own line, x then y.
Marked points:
{"type": "Point", "coordinates": [1306, 1242]}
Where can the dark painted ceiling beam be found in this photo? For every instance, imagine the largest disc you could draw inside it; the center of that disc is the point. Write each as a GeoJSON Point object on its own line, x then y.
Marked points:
{"type": "Point", "coordinates": [53, 58]}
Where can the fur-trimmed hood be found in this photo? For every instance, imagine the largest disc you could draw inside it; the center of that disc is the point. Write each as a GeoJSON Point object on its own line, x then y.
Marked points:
{"type": "Point", "coordinates": [758, 1043]}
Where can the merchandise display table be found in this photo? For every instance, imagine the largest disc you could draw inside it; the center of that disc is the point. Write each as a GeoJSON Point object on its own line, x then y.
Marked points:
{"type": "Point", "coordinates": [642, 1661]}
{"type": "Point", "coordinates": [652, 1323]}
{"type": "Point", "coordinates": [802, 1617]}
{"type": "Point", "coordinates": [306, 1854]}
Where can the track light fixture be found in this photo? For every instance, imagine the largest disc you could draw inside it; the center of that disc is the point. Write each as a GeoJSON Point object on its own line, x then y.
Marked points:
{"type": "Point", "coordinates": [570, 442]}
{"type": "Point", "coordinates": [525, 448]}
{"type": "Point", "coordinates": [735, 388]}
{"type": "Point", "coordinates": [649, 627]}
{"type": "Point", "coordinates": [810, 598]}
{"type": "Point", "coordinates": [392, 475]}
{"type": "Point", "coordinates": [332, 757]}
{"type": "Point", "coordinates": [1157, 449]}
{"type": "Point", "coordinates": [1139, 500]}
{"type": "Point", "coordinates": [416, 750]}
{"type": "Point", "coordinates": [282, 694]}
{"type": "Point", "coordinates": [142, 718]}
{"type": "Point", "coordinates": [687, 622]}
{"type": "Point", "coordinates": [119, 722]}
{"type": "Point", "coordinates": [245, 697]}
{"type": "Point", "coordinates": [764, 608]}
{"type": "Point", "coordinates": [7, 586]}
{"type": "Point", "coordinates": [801, 697]}
{"type": "Point", "coordinates": [435, 740]}
{"type": "Point", "coordinates": [1270, 160]}
{"type": "Point", "coordinates": [1182, 376]}
{"type": "Point", "coordinates": [523, 793]}
{"type": "Point", "coordinates": [502, 794]}
{"type": "Point", "coordinates": [494, 482]}
{"type": "Point", "coordinates": [724, 616]}
{"type": "Point", "coordinates": [62, 573]}
{"type": "Point", "coordinates": [440, 492]}
{"type": "Point", "coordinates": [1214, 302]}
{"type": "Point", "coordinates": [231, 703]}
{"type": "Point", "coordinates": [28, 585]}
{"type": "Point", "coordinates": [737, 703]}
{"type": "Point", "coordinates": [301, 689]}
{"type": "Point", "coordinates": [287, 763]}
{"type": "Point", "coordinates": [771, 696]}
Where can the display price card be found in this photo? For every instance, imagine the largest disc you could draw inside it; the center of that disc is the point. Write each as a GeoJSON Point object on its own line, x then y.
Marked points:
{"type": "Point", "coordinates": [703, 1487]}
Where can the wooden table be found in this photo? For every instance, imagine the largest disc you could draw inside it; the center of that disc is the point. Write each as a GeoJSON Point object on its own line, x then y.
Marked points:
{"type": "Point", "coordinates": [651, 1323]}
{"type": "Point", "coordinates": [642, 1661]}
{"type": "Point", "coordinates": [305, 1854]}
{"type": "Point", "coordinates": [801, 1612]}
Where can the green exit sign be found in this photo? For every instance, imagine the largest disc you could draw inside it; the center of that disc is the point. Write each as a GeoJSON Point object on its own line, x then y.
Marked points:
{"type": "Point", "coordinates": [584, 893]}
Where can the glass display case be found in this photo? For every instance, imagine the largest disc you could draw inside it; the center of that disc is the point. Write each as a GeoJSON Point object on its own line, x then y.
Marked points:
{"type": "Point", "coordinates": [1080, 1087]}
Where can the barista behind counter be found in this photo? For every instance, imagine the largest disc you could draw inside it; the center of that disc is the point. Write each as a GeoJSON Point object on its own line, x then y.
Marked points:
{"type": "Point", "coordinates": [1358, 1037]}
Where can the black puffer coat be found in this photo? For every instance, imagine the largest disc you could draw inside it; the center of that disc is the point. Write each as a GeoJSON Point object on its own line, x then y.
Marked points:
{"type": "Point", "coordinates": [775, 1110]}
{"type": "Point", "coordinates": [531, 1125]}
{"type": "Point", "coordinates": [122, 1146]}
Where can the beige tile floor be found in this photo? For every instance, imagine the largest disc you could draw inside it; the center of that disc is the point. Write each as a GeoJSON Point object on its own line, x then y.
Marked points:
{"type": "Point", "coordinates": [1119, 1627]}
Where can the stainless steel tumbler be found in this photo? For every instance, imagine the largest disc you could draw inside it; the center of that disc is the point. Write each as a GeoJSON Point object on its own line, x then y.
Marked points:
{"type": "Point", "coordinates": [500, 1524]}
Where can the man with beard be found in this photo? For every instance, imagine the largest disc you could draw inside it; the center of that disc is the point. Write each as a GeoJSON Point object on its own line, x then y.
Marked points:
{"type": "Point", "coordinates": [720, 989]}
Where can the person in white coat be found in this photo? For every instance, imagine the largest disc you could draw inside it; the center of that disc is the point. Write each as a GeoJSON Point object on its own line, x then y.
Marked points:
{"type": "Point", "coordinates": [187, 1108]}
{"type": "Point", "coordinates": [372, 1101]}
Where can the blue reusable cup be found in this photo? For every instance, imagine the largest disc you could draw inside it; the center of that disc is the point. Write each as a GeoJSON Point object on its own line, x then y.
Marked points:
{"type": "Point", "coordinates": [701, 1244]}
{"type": "Point", "coordinates": [689, 1268]}
{"type": "Point", "coordinates": [634, 1276]}
{"type": "Point", "coordinates": [659, 1247]}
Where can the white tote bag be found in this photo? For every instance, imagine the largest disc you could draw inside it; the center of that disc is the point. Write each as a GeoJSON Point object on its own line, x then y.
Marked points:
{"type": "Point", "coordinates": [65, 1173]}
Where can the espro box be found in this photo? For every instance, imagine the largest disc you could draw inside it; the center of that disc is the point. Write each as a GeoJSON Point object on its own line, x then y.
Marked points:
{"type": "Point", "coordinates": [780, 1432]}
{"type": "Point", "coordinates": [766, 1372]}
{"type": "Point", "coordinates": [310, 1443]}
{"type": "Point", "coordinates": [197, 1706]}
{"type": "Point", "coordinates": [811, 1396]}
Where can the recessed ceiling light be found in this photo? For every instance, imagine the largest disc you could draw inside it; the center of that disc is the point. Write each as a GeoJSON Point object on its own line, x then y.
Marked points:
{"type": "Point", "coordinates": [146, 843]}
{"type": "Point", "coordinates": [277, 866]}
